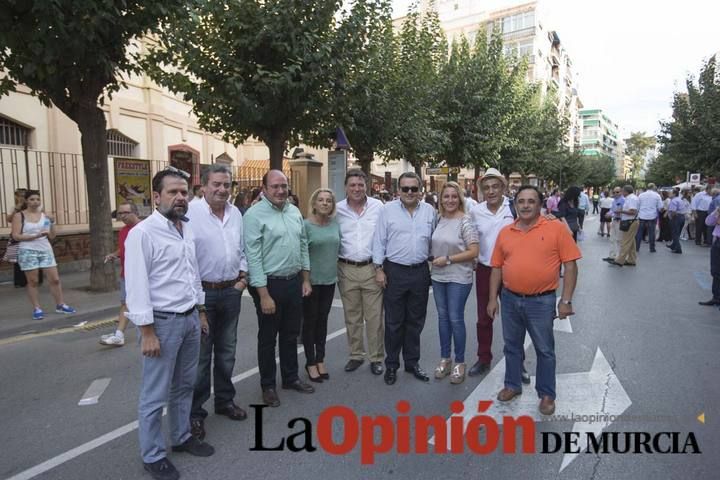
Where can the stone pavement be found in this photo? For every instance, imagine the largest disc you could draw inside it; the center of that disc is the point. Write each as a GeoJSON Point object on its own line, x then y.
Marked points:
{"type": "Point", "coordinates": [16, 312]}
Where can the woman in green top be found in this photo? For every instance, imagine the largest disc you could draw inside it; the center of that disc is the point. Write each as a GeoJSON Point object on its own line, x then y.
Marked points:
{"type": "Point", "coordinates": [323, 235]}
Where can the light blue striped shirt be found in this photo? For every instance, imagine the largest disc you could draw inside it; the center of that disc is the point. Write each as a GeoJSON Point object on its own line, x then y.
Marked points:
{"type": "Point", "coordinates": [403, 238]}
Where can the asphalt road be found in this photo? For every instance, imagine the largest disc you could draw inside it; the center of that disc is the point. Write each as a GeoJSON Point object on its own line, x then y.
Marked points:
{"type": "Point", "coordinates": [661, 348]}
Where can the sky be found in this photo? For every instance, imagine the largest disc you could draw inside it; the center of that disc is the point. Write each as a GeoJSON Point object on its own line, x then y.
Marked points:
{"type": "Point", "coordinates": [630, 56]}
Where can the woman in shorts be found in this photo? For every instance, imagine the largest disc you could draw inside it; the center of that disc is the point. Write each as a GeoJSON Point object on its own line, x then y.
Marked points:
{"type": "Point", "coordinates": [34, 230]}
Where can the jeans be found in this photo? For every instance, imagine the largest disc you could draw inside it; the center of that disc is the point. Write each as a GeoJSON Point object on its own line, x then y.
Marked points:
{"type": "Point", "coordinates": [223, 310]}
{"type": "Point", "coordinates": [676, 225]}
{"type": "Point", "coordinates": [316, 309]}
{"type": "Point", "coordinates": [534, 315]}
{"type": "Point", "coordinates": [650, 226]}
{"type": "Point", "coordinates": [168, 379]}
{"type": "Point", "coordinates": [450, 299]}
{"type": "Point", "coordinates": [282, 327]}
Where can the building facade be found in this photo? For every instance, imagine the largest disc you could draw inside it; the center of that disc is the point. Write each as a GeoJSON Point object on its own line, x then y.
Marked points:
{"type": "Point", "coordinates": [601, 136]}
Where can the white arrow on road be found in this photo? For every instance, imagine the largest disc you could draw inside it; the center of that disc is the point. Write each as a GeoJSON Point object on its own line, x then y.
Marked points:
{"type": "Point", "coordinates": [596, 392]}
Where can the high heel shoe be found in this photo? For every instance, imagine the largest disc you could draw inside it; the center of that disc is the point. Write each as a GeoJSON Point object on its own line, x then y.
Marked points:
{"type": "Point", "coordinates": [317, 379]}
{"type": "Point", "coordinates": [323, 375]}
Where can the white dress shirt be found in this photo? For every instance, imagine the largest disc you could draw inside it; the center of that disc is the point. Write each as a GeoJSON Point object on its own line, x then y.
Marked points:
{"type": "Point", "coordinates": [650, 205]}
{"type": "Point", "coordinates": [161, 272]}
{"type": "Point", "coordinates": [402, 237]}
{"type": "Point", "coordinates": [701, 201]}
{"type": "Point", "coordinates": [488, 225]}
{"type": "Point", "coordinates": [219, 243]}
{"type": "Point", "coordinates": [631, 203]}
{"type": "Point", "coordinates": [356, 231]}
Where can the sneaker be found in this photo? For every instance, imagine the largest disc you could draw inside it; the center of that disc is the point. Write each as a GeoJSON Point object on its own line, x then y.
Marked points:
{"type": "Point", "coordinates": [64, 308]}
{"type": "Point", "coordinates": [458, 374]}
{"type": "Point", "coordinates": [443, 369]}
{"type": "Point", "coordinates": [38, 314]}
{"type": "Point", "coordinates": [112, 339]}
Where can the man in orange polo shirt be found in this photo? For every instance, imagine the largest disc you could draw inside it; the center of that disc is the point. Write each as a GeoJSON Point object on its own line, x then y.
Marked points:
{"type": "Point", "coordinates": [526, 262]}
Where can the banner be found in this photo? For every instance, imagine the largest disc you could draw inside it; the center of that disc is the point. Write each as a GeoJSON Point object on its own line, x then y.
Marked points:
{"type": "Point", "coordinates": [133, 184]}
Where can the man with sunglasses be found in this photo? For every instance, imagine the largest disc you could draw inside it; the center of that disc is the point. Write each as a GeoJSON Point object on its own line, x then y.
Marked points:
{"type": "Point", "coordinates": [615, 233]}
{"type": "Point", "coordinates": [401, 249]}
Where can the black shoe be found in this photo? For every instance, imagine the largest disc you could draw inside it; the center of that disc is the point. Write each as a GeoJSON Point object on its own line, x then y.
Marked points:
{"type": "Point", "coordinates": [418, 373]}
{"type": "Point", "coordinates": [232, 411]}
{"type": "Point", "coordinates": [317, 379]}
{"type": "Point", "coordinates": [608, 259]}
{"type": "Point", "coordinates": [628, 264]}
{"type": "Point", "coordinates": [613, 262]}
{"type": "Point", "coordinates": [197, 428]}
{"type": "Point", "coordinates": [653, 251]}
{"type": "Point", "coordinates": [525, 377]}
{"type": "Point", "coordinates": [299, 386]}
{"type": "Point", "coordinates": [194, 446]}
{"type": "Point", "coordinates": [353, 365]}
{"type": "Point", "coordinates": [162, 470]}
{"type": "Point", "coordinates": [376, 368]}
{"type": "Point", "coordinates": [478, 369]}
{"type": "Point", "coordinates": [324, 376]}
{"type": "Point", "coordinates": [270, 397]}
{"type": "Point", "coordinates": [710, 302]}
{"type": "Point", "coordinates": [390, 375]}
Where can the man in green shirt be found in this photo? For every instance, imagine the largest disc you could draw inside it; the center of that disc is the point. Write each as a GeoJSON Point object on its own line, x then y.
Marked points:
{"type": "Point", "coordinates": [279, 267]}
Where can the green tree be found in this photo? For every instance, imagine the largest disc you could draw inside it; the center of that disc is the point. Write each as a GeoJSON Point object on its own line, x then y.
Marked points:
{"type": "Point", "coordinates": [600, 170]}
{"type": "Point", "coordinates": [422, 50]}
{"type": "Point", "coordinates": [265, 69]}
{"type": "Point", "coordinates": [665, 170]}
{"type": "Point", "coordinates": [637, 147]}
{"type": "Point", "coordinates": [71, 54]}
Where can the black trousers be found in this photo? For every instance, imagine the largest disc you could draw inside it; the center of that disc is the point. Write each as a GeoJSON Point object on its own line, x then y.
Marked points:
{"type": "Point", "coordinates": [283, 325]}
{"type": "Point", "coordinates": [715, 268]}
{"type": "Point", "coordinates": [405, 301]}
{"type": "Point", "coordinates": [316, 309]}
{"type": "Point", "coordinates": [700, 228]}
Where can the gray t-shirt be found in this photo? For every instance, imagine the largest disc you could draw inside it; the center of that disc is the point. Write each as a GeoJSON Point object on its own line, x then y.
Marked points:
{"type": "Point", "coordinates": [453, 236]}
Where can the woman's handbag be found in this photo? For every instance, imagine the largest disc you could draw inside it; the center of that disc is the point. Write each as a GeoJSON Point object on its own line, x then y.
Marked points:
{"type": "Point", "coordinates": [11, 252]}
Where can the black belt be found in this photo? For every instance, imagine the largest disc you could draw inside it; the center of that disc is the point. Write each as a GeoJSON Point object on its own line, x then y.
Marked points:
{"type": "Point", "coordinates": [282, 277]}
{"type": "Point", "coordinates": [179, 314]}
{"type": "Point", "coordinates": [529, 295]}
{"type": "Point", "coordinates": [219, 285]}
{"type": "Point", "coordinates": [416, 265]}
{"type": "Point", "coordinates": [357, 264]}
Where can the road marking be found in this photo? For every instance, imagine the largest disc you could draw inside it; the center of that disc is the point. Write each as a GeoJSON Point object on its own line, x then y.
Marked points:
{"type": "Point", "coordinates": [119, 432]}
{"type": "Point", "coordinates": [596, 392]}
{"type": "Point", "coordinates": [94, 392]}
{"type": "Point", "coordinates": [701, 418]}
{"type": "Point", "coordinates": [31, 335]}
{"type": "Point", "coordinates": [704, 280]}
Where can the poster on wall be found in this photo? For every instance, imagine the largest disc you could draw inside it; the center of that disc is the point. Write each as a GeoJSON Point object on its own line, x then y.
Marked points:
{"type": "Point", "coordinates": [133, 184]}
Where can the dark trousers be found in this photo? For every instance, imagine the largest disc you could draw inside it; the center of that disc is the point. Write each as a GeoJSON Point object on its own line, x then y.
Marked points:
{"type": "Point", "coordinates": [700, 228]}
{"type": "Point", "coordinates": [595, 208]}
{"type": "Point", "coordinates": [715, 268]}
{"type": "Point", "coordinates": [484, 321]}
{"type": "Point", "coordinates": [581, 218]}
{"type": "Point", "coordinates": [665, 231]}
{"type": "Point", "coordinates": [646, 227]}
{"type": "Point", "coordinates": [316, 309]}
{"type": "Point", "coordinates": [405, 301]}
{"type": "Point", "coordinates": [676, 224]}
{"type": "Point", "coordinates": [283, 325]}
{"type": "Point", "coordinates": [223, 310]}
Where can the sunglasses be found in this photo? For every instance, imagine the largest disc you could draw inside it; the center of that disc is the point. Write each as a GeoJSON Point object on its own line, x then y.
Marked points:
{"type": "Point", "coordinates": [410, 189]}
{"type": "Point", "coordinates": [182, 173]}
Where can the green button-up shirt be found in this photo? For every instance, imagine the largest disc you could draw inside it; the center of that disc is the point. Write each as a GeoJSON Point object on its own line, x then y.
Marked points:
{"type": "Point", "coordinates": [275, 241]}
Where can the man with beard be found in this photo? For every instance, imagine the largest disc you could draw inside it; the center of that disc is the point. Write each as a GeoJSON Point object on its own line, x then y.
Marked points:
{"type": "Point", "coordinates": [166, 301]}
{"type": "Point", "coordinates": [218, 234]}
{"type": "Point", "coordinates": [279, 266]}
{"type": "Point", "coordinates": [401, 248]}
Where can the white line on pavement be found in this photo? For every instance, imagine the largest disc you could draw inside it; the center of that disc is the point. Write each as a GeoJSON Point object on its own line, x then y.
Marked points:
{"type": "Point", "coordinates": [119, 432]}
{"type": "Point", "coordinates": [94, 391]}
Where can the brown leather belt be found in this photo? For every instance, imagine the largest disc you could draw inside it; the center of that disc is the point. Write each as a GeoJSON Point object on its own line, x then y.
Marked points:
{"type": "Point", "coordinates": [357, 264]}
{"type": "Point", "coordinates": [529, 295]}
{"type": "Point", "coordinates": [219, 285]}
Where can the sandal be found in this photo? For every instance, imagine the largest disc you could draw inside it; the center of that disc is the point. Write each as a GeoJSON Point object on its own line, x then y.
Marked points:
{"type": "Point", "coordinates": [443, 368]}
{"type": "Point", "coordinates": [458, 373]}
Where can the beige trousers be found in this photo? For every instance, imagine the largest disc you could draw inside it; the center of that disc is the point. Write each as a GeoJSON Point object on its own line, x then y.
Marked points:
{"type": "Point", "coordinates": [615, 239]}
{"type": "Point", "coordinates": [627, 253]}
{"type": "Point", "coordinates": [362, 300]}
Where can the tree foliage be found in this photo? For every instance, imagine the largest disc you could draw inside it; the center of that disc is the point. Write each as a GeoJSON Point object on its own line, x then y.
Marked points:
{"type": "Point", "coordinates": [71, 54]}
{"type": "Point", "coordinates": [636, 147]}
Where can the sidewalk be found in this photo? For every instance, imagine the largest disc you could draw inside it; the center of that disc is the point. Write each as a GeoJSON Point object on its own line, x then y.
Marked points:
{"type": "Point", "coordinates": [16, 312]}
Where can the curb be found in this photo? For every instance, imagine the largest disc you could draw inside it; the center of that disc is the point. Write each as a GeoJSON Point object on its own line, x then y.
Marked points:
{"type": "Point", "coordinates": [58, 321]}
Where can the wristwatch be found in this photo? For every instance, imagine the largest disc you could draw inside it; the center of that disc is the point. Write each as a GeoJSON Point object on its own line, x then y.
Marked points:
{"type": "Point", "coordinates": [447, 260]}
{"type": "Point", "coordinates": [378, 266]}
{"type": "Point", "coordinates": [566, 302]}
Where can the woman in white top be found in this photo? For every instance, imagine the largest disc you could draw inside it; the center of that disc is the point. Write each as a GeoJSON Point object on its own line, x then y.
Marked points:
{"type": "Point", "coordinates": [34, 230]}
{"type": "Point", "coordinates": [455, 248]}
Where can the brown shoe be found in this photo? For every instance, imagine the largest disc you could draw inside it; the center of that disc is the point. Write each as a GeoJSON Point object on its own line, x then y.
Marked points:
{"type": "Point", "coordinates": [507, 394]}
{"type": "Point", "coordinates": [270, 397]}
{"type": "Point", "coordinates": [547, 405]}
{"type": "Point", "coordinates": [232, 411]}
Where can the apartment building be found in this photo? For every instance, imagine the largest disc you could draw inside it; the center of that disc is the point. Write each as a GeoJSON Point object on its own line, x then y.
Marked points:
{"type": "Point", "coordinates": [601, 136]}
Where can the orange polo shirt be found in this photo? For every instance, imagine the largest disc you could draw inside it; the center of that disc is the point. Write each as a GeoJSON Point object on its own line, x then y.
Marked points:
{"type": "Point", "coordinates": [531, 260]}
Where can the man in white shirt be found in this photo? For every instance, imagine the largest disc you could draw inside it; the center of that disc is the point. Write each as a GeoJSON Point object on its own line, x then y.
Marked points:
{"type": "Point", "coordinates": [166, 301]}
{"type": "Point", "coordinates": [217, 228]}
{"type": "Point", "coordinates": [700, 205]}
{"type": "Point", "coordinates": [629, 212]}
{"type": "Point", "coordinates": [650, 204]}
{"type": "Point", "coordinates": [361, 296]}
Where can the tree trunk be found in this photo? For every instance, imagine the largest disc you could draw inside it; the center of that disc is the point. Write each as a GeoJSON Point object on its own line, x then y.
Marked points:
{"type": "Point", "coordinates": [91, 122]}
{"type": "Point", "coordinates": [365, 159]}
{"type": "Point", "coordinates": [276, 143]}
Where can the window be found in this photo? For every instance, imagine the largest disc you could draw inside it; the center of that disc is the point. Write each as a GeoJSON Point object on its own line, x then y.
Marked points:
{"type": "Point", "coordinates": [119, 145]}
{"type": "Point", "coordinates": [517, 22]}
{"type": "Point", "coordinates": [13, 134]}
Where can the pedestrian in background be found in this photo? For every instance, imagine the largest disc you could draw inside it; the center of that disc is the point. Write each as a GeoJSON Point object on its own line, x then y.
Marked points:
{"type": "Point", "coordinates": [616, 235]}
{"type": "Point", "coordinates": [713, 221]}
{"type": "Point", "coordinates": [34, 230]}
{"type": "Point", "coordinates": [606, 203]}
{"type": "Point", "coordinates": [455, 248]}
{"type": "Point", "coordinates": [323, 237]}
{"type": "Point", "coordinates": [629, 213]}
{"type": "Point", "coordinates": [678, 208]}
{"type": "Point", "coordinates": [699, 205]}
{"type": "Point", "coordinates": [665, 230]}
{"type": "Point", "coordinates": [19, 280]}
{"type": "Point", "coordinates": [127, 212]}
{"type": "Point", "coordinates": [583, 208]}
{"type": "Point", "coordinates": [569, 210]}
{"type": "Point", "coordinates": [650, 206]}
